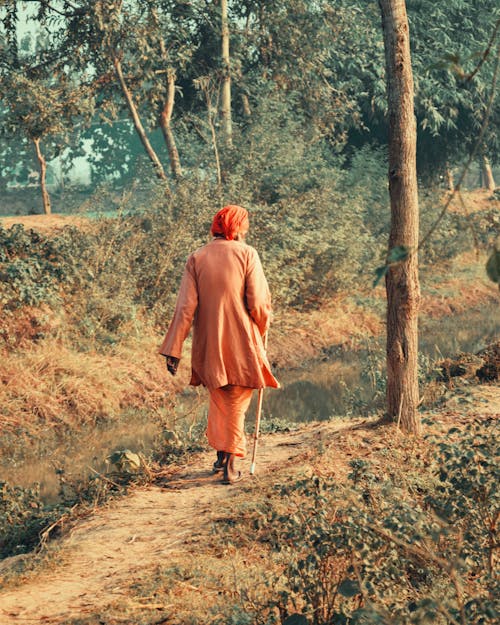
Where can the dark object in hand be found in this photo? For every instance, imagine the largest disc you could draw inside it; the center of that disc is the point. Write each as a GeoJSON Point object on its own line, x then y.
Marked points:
{"type": "Point", "coordinates": [172, 364]}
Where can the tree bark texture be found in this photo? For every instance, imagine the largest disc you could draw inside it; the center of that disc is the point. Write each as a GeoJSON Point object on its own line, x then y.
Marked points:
{"type": "Point", "coordinates": [487, 177]}
{"type": "Point", "coordinates": [402, 284]}
{"type": "Point", "coordinates": [165, 117]}
{"type": "Point", "coordinates": [47, 209]}
{"type": "Point", "coordinates": [227, 124]}
{"type": "Point", "coordinates": [137, 122]}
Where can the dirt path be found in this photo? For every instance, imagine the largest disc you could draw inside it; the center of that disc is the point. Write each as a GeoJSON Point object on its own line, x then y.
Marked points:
{"type": "Point", "coordinates": [103, 553]}
{"type": "Point", "coordinates": [122, 543]}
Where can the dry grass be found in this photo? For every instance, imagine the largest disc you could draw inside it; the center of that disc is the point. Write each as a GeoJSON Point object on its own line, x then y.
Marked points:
{"type": "Point", "coordinates": [473, 201]}
{"type": "Point", "coordinates": [47, 224]}
{"type": "Point", "coordinates": [464, 286]}
{"type": "Point", "coordinates": [50, 384]}
{"type": "Point", "coordinates": [296, 337]}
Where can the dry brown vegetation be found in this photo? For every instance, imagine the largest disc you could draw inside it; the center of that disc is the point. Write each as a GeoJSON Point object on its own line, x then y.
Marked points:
{"type": "Point", "coordinates": [47, 383]}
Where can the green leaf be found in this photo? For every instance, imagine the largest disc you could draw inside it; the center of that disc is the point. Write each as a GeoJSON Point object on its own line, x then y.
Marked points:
{"type": "Point", "coordinates": [380, 273]}
{"type": "Point", "coordinates": [398, 254]}
{"type": "Point", "coordinates": [493, 266]}
{"type": "Point", "coordinates": [349, 588]}
{"type": "Point", "coordinates": [295, 619]}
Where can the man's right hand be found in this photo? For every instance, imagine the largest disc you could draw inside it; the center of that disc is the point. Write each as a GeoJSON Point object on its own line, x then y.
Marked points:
{"type": "Point", "coordinates": [172, 364]}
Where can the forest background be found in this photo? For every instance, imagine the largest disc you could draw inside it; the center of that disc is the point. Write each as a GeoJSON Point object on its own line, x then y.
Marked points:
{"type": "Point", "coordinates": [167, 125]}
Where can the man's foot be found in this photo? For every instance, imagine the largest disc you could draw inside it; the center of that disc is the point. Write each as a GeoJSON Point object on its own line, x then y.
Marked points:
{"type": "Point", "coordinates": [220, 463]}
{"type": "Point", "coordinates": [231, 474]}
{"type": "Point", "coordinates": [236, 478]}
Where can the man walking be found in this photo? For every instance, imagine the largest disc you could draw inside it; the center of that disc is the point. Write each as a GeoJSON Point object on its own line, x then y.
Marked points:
{"type": "Point", "coordinates": [224, 295]}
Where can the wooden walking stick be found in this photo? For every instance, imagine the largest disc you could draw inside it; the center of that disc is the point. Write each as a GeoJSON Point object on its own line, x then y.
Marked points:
{"type": "Point", "coordinates": [257, 420]}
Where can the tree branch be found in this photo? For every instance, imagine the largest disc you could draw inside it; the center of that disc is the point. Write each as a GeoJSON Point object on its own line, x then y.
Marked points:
{"type": "Point", "coordinates": [471, 156]}
{"type": "Point", "coordinates": [77, 10]}
{"type": "Point", "coordinates": [486, 53]}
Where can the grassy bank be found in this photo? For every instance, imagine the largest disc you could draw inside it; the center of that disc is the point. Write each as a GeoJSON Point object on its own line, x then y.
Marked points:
{"type": "Point", "coordinates": [52, 381]}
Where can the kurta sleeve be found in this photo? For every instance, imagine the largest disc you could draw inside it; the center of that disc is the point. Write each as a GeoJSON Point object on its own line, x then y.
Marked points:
{"type": "Point", "coordinates": [257, 295]}
{"type": "Point", "coordinates": [185, 308]}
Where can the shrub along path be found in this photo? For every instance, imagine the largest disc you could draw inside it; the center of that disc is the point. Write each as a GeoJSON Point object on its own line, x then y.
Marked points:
{"type": "Point", "coordinates": [119, 547]}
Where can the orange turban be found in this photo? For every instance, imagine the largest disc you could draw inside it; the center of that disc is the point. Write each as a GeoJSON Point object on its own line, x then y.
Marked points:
{"type": "Point", "coordinates": [229, 221]}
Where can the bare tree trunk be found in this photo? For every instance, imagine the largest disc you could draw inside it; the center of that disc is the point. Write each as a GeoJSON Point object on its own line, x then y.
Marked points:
{"type": "Point", "coordinates": [165, 117]}
{"type": "Point", "coordinates": [402, 285]}
{"type": "Point", "coordinates": [47, 209]}
{"type": "Point", "coordinates": [487, 178]}
{"type": "Point", "coordinates": [137, 122]}
{"type": "Point", "coordinates": [226, 82]}
{"type": "Point", "coordinates": [218, 168]}
{"type": "Point", "coordinates": [247, 111]}
{"type": "Point", "coordinates": [168, 107]}
{"type": "Point", "coordinates": [449, 178]}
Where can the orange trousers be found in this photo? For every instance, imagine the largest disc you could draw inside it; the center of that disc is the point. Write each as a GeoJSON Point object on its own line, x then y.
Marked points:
{"type": "Point", "coordinates": [226, 419]}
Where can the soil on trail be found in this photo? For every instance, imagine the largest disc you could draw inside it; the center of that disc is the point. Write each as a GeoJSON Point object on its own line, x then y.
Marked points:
{"type": "Point", "coordinates": [112, 547]}
{"type": "Point", "coordinates": [121, 543]}
{"type": "Point", "coordinates": [46, 224]}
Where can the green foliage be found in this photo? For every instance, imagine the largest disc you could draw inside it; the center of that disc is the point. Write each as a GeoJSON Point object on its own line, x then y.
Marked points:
{"type": "Point", "coordinates": [122, 271]}
{"type": "Point", "coordinates": [325, 60]}
{"type": "Point", "coordinates": [119, 272]}
{"type": "Point", "coordinates": [32, 267]}
{"type": "Point", "coordinates": [493, 266]}
{"type": "Point", "coordinates": [467, 498]}
{"type": "Point", "coordinates": [404, 546]}
{"type": "Point", "coordinates": [307, 249]}
{"type": "Point", "coordinates": [278, 156]}
{"type": "Point", "coordinates": [450, 97]}
{"type": "Point", "coordinates": [22, 518]}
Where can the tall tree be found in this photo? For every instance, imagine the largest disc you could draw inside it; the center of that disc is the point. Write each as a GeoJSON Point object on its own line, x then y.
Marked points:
{"type": "Point", "coordinates": [149, 43]}
{"type": "Point", "coordinates": [167, 109]}
{"type": "Point", "coordinates": [302, 49]}
{"type": "Point", "coordinates": [111, 27]}
{"type": "Point", "coordinates": [226, 78]}
{"type": "Point", "coordinates": [402, 282]}
{"type": "Point", "coordinates": [453, 65]}
{"type": "Point", "coordinates": [99, 40]}
{"type": "Point", "coordinates": [43, 104]}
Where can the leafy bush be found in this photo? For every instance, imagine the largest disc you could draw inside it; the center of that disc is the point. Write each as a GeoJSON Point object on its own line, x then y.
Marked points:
{"type": "Point", "coordinates": [364, 184]}
{"type": "Point", "coordinates": [278, 156]}
{"type": "Point", "coordinates": [124, 271]}
{"type": "Point", "coordinates": [399, 548]}
{"type": "Point", "coordinates": [118, 274]}
{"type": "Point", "coordinates": [22, 518]}
{"type": "Point", "coordinates": [32, 266]}
{"type": "Point", "coordinates": [311, 247]}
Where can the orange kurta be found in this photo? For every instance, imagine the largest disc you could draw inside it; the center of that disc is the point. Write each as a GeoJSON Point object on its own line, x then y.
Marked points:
{"type": "Point", "coordinates": [225, 297]}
